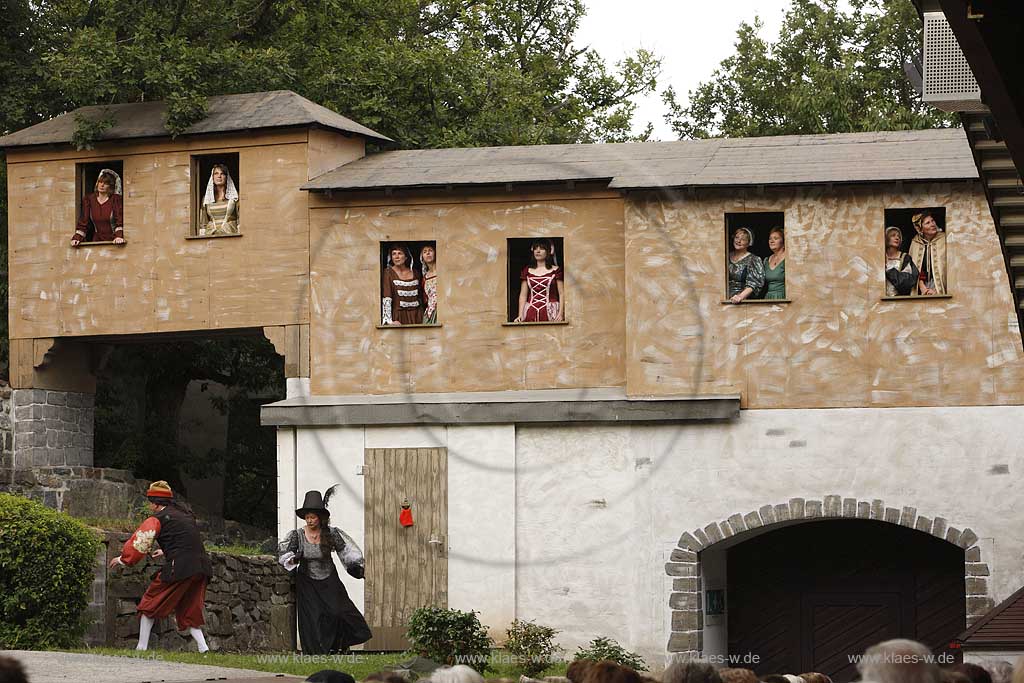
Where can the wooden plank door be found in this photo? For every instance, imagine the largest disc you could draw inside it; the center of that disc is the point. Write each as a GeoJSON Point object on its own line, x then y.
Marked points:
{"type": "Point", "coordinates": [406, 567]}
{"type": "Point", "coordinates": [836, 626]}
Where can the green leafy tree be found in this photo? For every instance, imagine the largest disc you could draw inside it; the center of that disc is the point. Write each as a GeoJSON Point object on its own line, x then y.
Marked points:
{"type": "Point", "coordinates": [832, 70]}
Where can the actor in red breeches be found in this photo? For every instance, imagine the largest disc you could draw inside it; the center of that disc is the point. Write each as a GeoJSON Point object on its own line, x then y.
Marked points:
{"type": "Point", "coordinates": [180, 585]}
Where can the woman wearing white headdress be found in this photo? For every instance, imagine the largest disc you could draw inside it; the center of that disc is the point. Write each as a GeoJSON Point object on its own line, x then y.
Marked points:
{"type": "Point", "coordinates": [219, 215]}
{"type": "Point", "coordinates": [101, 218]}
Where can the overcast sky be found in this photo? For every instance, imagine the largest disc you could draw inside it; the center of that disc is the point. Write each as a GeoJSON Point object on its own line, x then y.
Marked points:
{"type": "Point", "coordinates": [691, 38]}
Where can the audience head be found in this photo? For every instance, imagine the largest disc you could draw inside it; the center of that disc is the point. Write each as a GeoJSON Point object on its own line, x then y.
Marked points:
{"type": "Point", "coordinates": [1018, 671]}
{"type": "Point", "coordinates": [974, 673]}
{"type": "Point", "coordinates": [689, 671]}
{"type": "Point", "coordinates": [460, 673]}
{"type": "Point", "coordinates": [330, 676]}
{"type": "Point", "coordinates": [815, 677]}
{"type": "Point", "coordinates": [610, 672]}
{"type": "Point", "coordinates": [730, 675]}
{"type": "Point", "coordinates": [386, 677]}
{"type": "Point", "coordinates": [11, 671]}
{"type": "Point", "coordinates": [578, 670]}
{"type": "Point", "coordinates": [951, 676]}
{"type": "Point", "coordinates": [1002, 671]}
{"type": "Point", "coordinates": [775, 678]}
{"type": "Point", "coordinates": [899, 661]}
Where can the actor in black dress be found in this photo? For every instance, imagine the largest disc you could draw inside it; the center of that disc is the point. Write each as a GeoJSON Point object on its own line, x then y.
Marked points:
{"type": "Point", "coordinates": [328, 621]}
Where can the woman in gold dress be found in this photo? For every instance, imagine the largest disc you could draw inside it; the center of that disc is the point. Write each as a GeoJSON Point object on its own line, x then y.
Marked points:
{"type": "Point", "coordinates": [219, 215]}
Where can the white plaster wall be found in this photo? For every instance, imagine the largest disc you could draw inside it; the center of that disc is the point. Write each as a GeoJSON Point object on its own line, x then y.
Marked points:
{"type": "Point", "coordinates": [481, 502]}
{"type": "Point", "coordinates": [481, 523]}
{"type": "Point", "coordinates": [323, 458]}
{"type": "Point", "coordinates": [571, 525]}
{"type": "Point", "coordinates": [590, 569]}
{"type": "Point", "coordinates": [986, 658]}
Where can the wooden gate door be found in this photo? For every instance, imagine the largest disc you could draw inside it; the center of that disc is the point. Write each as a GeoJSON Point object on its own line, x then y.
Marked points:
{"type": "Point", "coordinates": [838, 625]}
{"type": "Point", "coordinates": [406, 567]}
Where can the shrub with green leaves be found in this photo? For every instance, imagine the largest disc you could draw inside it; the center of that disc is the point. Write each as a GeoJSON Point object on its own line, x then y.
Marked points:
{"type": "Point", "coordinates": [449, 636]}
{"type": "Point", "coordinates": [534, 645]}
{"type": "Point", "coordinates": [46, 571]}
{"type": "Point", "coordinates": [606, 648]}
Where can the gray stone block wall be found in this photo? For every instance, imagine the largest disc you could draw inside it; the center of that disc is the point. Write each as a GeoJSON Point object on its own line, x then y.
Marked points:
{"type": "Point", "coordinates": [78, 491]}
{"type": "Point", "coordinates": [6, 426]}
{"type": "Point", "coordinates": [51, 428]}
{"type": "Point", "coordinates": [250, 605]}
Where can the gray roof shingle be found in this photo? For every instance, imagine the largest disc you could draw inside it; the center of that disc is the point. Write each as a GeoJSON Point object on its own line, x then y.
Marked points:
{"type": "Point", "coordinates": [923, 155]}
{"type": "Point", "coordinates": [227, 113]}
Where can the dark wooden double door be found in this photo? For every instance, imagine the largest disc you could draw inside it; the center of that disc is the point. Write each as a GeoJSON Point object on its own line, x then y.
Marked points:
{"type": "Point", "coordinates": [812, 597]}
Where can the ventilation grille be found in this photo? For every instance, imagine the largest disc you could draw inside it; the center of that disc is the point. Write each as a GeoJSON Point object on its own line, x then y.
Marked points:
{"type": "Point", "coordinates": [949, 83]}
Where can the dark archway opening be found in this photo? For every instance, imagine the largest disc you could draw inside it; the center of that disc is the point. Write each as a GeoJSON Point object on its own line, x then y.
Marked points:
{"type": "Point", "coordinates": [814, 596]}
{"type": "Point", "coordinates": [185, 408]}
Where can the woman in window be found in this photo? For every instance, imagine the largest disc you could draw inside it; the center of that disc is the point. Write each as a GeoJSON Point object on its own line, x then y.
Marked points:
{"type": "Point", "coordinates": [543, 286]}
{"type": "Point", "coordinates": [928, 252]}
{"type": "Point", "coordinates": [428, 257]}
{"type": "Point", "coordinates": [746, 270]}
{"type": "Point", "coordinates": [219, 215]}
{"type": "Point", "coordinates": [775, 265]}
{"type": "Point", "coordinates": [401, 294]}
{"type": "Point", "coordinates": [900, 271]}
{"type": "Point", "coordinates": [102, 216]}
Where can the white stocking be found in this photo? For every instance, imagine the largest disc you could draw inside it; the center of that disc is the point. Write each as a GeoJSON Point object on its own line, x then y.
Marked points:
{"type": "Point", "coordinates": [200, 639]}
{"type": "Point", "coordinates": [145, 626]}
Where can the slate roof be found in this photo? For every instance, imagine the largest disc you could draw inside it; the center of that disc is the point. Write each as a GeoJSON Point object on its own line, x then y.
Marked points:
{"type": "Point", "coordinates": [227, 113]}
{"type": "Point", "coordinates": [1001, 628]}
{"type": "Point", "coordinates": [928, 155]}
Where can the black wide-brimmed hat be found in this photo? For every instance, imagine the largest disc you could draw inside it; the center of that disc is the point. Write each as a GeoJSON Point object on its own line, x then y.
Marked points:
{"type": "Point", "coordinates": [313, 502]}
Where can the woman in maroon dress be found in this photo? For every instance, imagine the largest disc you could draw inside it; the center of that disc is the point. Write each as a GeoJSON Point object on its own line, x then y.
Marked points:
{"type": "Point", "coordinates": [102, 216]}
{"type": "Point", "coordinates": [401, 294]}
{"type": "Point", "coordinates": [543, 289]}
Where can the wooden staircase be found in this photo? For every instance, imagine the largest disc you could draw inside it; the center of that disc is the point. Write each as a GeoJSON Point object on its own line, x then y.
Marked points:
{"type": "Point", "coordinates": [1005, 192]}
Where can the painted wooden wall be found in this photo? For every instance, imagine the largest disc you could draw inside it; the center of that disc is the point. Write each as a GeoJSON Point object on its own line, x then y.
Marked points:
{"type": "Point", "coordinates": [472, 350]}
{"type": "Point", "coordinates": [837, 344]}
{"type": "Point", "coordinates": [646, 278]}
{"type": "Point", "coordinates": [160, 281]}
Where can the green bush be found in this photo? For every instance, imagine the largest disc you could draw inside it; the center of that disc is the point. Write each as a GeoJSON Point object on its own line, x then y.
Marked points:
{"type": "Point", "coordinates": [449, 636]}
{"type": "Point", "coordinates": [606, 648]}
{"type": "Point", "coordinates": [534, 645]}
{"type": "Point", "coordinates": [46, 571]}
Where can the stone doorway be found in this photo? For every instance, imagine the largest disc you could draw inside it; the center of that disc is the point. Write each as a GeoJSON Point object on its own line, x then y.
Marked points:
{"type": "Point", "coordinates": [698, 563]}
{"type": "Point", "coordinates": [811, 597]}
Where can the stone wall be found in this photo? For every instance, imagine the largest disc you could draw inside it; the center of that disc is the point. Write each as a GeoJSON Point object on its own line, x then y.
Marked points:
{"type": "Point", "coordinates": [6, 426]}
{"type": "Point", "coordinates": [78, 491]}
{"type": "Point", "coordinates": [250, 604]}
{"type": "Point", "coordinates": [52, 428]}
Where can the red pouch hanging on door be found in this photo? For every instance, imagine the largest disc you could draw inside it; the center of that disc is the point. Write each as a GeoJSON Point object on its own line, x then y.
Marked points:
{"type": "Point", "coordinates": [405, 516]}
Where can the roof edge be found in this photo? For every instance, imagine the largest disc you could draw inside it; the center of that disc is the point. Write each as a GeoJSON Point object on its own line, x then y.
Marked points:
{"type": "Point", "coordinates": [990, 615]}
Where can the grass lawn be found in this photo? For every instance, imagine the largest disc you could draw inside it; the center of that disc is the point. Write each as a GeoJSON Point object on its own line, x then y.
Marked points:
{"type": "Point", "coordinates": [358, 664]}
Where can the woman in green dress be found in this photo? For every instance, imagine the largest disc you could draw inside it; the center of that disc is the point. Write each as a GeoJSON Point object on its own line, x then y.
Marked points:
{"type": "Point", "coordinates": [775, 265]}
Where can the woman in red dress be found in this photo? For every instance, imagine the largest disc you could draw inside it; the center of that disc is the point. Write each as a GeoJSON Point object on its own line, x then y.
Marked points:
{"type": "Point", "coordinates": [102, 216]}
{"type": "Point", "coordinates": [543, 286]}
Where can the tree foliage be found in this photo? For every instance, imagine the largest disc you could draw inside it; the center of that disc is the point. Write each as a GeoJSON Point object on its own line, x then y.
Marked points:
{"type": "Point", "coordinates": [140, 395]}
{"type": "Point", "coordinates": [441, 73]}
{"type": "Point", "coordinates": [832, 70]}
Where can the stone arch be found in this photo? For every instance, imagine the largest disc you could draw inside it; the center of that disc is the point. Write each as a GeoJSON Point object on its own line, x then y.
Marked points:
{"type": "Point", "coordinates": [685, 601]}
